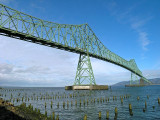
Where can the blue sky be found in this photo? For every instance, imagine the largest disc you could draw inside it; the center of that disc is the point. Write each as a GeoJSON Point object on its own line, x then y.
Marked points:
{"type": "Point", "coordinates": [128, 28]}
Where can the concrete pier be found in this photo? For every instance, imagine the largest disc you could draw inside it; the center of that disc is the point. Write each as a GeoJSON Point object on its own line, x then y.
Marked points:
{"type": "Point", "coordinates": [135, 85]}
{"type": "Point", "coordinates": [87, 87]}
{"type": "Point", "coordinates": [140, 85]}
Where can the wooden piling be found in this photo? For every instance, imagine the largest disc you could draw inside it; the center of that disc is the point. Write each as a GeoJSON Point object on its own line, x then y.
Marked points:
{"type": "Point", "coordinates": [107, 115]}
{"type": "Point", "coordinates": [130, 107]}
{"type": "Point", "coordinates": [67, 103]}
{"type": "Point", "coordinates": [85, 117]}
{"type": "Point", "coordinates": [63, 104]}
{"type": "Point", "coordinates": [71, 103]}
{"type": "Point", "coordinates": [45, 105]}
{"type": "Point", "coordinates": [145, 104]}
{"type": "Point", "coordinates": [116, 112]}
{"type": "Point", "coordinates": [53, 115]}
{"type": "Point", "coordinates": [99, 115]}
{"type": "Point", "coordinates": [58, 105]}
{"type": "Point", "coordinates": [46, 113]}
{"type": "Point", "coordinates": [121, 100]}
{"type": "Point", "coordinates": [57, 117]}
{"type": "Point", "coordinates": [75, 102]}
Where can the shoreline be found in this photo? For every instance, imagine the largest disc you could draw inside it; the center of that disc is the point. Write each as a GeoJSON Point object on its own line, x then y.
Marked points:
{"type": "Point", "coordinates": [10, 112]}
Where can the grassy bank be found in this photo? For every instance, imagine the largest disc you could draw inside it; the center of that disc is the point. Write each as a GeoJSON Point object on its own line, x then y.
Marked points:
{"type": "Point", "coordinates": [10, 112]}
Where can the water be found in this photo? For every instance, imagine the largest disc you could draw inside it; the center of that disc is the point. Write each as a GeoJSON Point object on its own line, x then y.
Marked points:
{"type": "Point", "coordinates": [73, 112]}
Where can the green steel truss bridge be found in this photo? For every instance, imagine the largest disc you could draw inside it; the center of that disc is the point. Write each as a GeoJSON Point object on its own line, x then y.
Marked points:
{"type": "Point", "coordinates": [73, 38]}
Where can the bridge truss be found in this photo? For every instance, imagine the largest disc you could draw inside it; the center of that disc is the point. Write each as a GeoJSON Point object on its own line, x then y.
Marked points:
{"type": "Point", "coordinates": [74, 38]}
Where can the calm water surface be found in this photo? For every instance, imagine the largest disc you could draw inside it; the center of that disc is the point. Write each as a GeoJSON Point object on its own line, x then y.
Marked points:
{"type": "Point", "coordinates": [38, 97]}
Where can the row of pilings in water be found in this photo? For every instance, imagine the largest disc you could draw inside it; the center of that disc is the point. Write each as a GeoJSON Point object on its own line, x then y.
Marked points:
{"type": "Point", "coordinates": [66, 104]}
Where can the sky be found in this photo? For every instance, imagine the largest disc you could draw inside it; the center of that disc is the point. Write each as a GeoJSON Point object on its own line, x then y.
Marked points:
{"type": "Point", "coordinates": [129, 28]}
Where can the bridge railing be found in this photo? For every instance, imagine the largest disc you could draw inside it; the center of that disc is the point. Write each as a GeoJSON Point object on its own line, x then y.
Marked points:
{"type": "Point", "coordinates": [78, 37]}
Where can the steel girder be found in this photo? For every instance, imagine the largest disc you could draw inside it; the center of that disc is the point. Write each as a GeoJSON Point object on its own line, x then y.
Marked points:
{"type": "Point", "coordinates": [84, 74]}
{"type": "Point", "coordinates": [134, 79]}
{"type": "Point", "coordinates": [74, 38]}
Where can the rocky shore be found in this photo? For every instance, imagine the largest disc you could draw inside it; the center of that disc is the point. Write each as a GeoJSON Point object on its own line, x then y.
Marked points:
{"type": "Point", "coordinates": [10, 112]}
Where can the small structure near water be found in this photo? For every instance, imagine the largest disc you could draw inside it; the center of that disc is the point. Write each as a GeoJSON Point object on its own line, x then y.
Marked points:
{"type": "Point", "coordinates": [87, 87]}
{"type": "Point", "coordinates": [135, 85]}
{"type": "Point", "coordinates": [141, 84]}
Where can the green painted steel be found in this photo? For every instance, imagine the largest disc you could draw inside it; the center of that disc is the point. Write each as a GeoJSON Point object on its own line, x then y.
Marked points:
{"type": "Point", "coordinates": [73, 38]}
{"type": "Point", "coordinates": [131, 81]}
{"type": "Point", "coordinates": [84, 71]}
{"type": "Point", "coordinates": [134, 79]}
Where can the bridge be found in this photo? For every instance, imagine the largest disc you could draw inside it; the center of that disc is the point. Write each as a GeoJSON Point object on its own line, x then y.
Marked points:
{"type": "Point", "coordinates": [73, 38]}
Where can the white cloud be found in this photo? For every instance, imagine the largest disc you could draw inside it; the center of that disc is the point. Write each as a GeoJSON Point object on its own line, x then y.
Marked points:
{"type": "Point", "coordinates": [137, 23]}
{"type": "Point", "coordinates": [34, 5]}
{"type": "Point", "coordinates": [27, 64]}
{"type": "Point", "coordinates": [157, 64]}
{"type": "Point", "coordinates": [149, 74]}
{"type": "Point", "coordinates": [36, 62]}
{"type": "Point", "coordinates": [6, 68]}
{"type": "Point", "coordinates": [138, 26]}
{"type": "Point", "coordinates": [143, 37]}
{"type": "Point", "coordinates": [4, 0]}
{"type": "Point", "coordinates": [33, 64]}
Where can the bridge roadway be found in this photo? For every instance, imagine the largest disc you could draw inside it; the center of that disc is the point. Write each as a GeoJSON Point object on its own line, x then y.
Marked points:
{"type": "Point", "coordinates": [72, 38]}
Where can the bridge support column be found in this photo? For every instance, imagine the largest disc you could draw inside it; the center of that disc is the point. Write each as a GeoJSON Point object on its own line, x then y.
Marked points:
{"type": "Point", "coordinates": [134, 79]}
{"type": "Point", "coordinates": [141, 81]}
{"type": "Point", "coordinates": [131, 81]}
{"type": "Point", "coordinates": [84, 72]}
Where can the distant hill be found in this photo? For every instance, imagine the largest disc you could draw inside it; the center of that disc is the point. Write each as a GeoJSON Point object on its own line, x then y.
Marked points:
{"type": "Point", "coordinates": [155, 80]}
{"type": "Point", "coordinates": [123, 83]}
